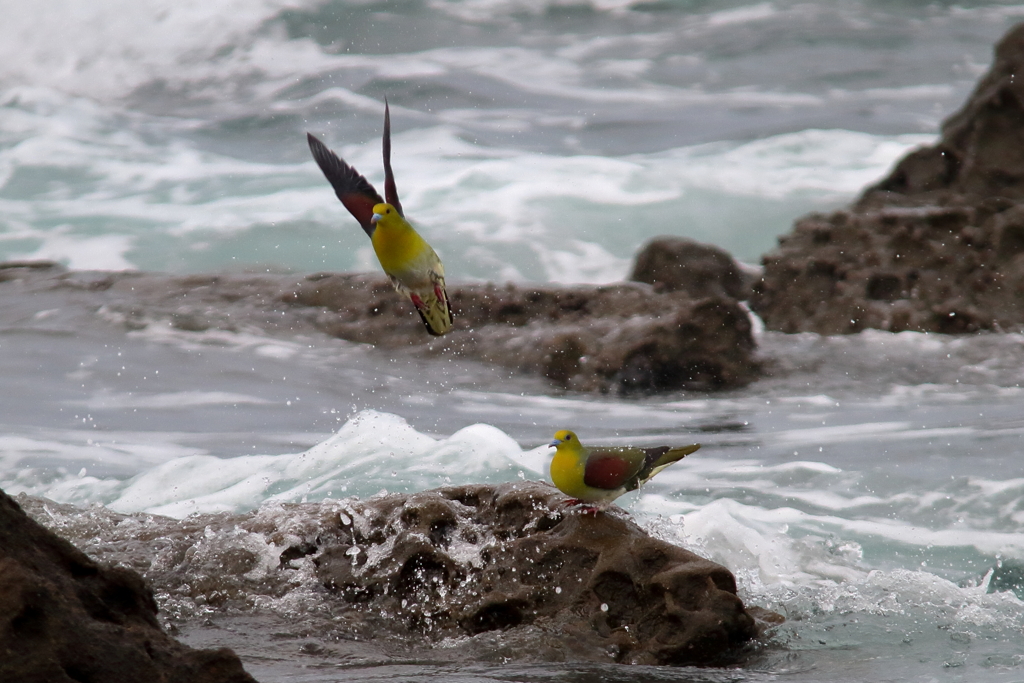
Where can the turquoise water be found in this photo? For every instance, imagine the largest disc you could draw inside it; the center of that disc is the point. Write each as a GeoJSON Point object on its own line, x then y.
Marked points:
{"type": "Point", "coordinates": [533, 140]}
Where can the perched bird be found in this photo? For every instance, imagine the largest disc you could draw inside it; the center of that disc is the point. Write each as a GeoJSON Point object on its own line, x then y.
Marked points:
{"type": "Point", "coordinates": [600, 475]}
{"type": "Point", "coordinates": [411, 263]}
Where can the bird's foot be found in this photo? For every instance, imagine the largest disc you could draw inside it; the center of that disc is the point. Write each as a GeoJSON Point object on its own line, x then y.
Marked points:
{"type": "Point", "coordinates": [417, 301]}
{"type": "Point", "coordinates": [584, 507]}
{"type": "Point", "coordinates": [438, 292]}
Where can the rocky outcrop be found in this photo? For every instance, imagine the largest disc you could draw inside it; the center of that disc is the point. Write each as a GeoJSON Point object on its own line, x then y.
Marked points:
{"type": "Point", "coordinates": [981, 151]}
{"type": "Point", "coordinates": [456, 566]}
{"type": "Point", "coordinates": [470, 559]}
{"type": "Point", "coordinates": [673, 264]}
{"type": "Point", "coordinates": [622, 338]}
{"type": "Point", "coordinates": [63, 617]}
{"type": "Point", "coordinates": [937, 246]}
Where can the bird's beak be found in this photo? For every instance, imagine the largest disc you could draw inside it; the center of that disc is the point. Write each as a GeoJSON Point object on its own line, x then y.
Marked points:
{"type": "Point", "coordinates": [554, 443]}
{"type": "Point", "coordinates": [376, 217]}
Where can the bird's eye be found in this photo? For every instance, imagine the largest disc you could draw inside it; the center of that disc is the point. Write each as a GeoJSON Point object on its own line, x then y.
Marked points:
{"type": "Point", "coordinates": [569, 437]}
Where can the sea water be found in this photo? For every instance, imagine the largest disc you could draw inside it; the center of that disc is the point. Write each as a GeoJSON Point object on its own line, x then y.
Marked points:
{"type": "Point", "coordinates": [869, 489]}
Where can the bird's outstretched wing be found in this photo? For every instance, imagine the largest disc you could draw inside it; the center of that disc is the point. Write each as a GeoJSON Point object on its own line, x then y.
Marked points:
{"type": "Point", "coordinates": [390, 190]}
{"type": "Point", "coordinates": [354, 191]}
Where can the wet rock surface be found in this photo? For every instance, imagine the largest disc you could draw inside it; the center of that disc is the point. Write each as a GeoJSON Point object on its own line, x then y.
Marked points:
{"type": "Point", "coordinates": [473, 572]}
{"type": "Point", "coordinates": [595, 581]}
{"type": "Point", "coordinates": [938, 246]}
{"type": "Point", "coordinates": [618, 338]}
{"type": "Point", "coordinates": [674, 264]}
{"type": "Point", "coordinates": [63, 617]}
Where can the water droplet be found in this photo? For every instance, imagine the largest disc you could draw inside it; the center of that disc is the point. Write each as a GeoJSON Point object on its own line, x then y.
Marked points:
{"type": "Point", "coordinates": [604, 606]}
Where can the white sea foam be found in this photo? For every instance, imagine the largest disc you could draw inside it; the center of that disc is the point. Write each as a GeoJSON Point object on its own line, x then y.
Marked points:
{"type": "Point", "coordinates": [133, 449]}
{"type": "Point", "coordinates": [746, 513]}
{"type": "Point", "coordinates": [568, 410]}
{"type": "Point", "coordinates": [177, 399]}
{"type": "Point", "coordinates": [126, 189]}
{"type": "Point", "coordinates": [825, 161]}
{"type": "Point", "coordinates": [107, 48]}
{"type": "Point", "coordinates": [488, 211]}
{"type": "Point", "coordinates": [864, 431]}
{"type": "Point", "coordinates": [371, 452]}
{"type": "Point", "coordinates": [81, 252]}
{"type": "Point", "coordinates": [817, 542]}
{"type": "Point", "coordinates": [113, 47]}
{"type": "Point", "coordinates": [549, 210]}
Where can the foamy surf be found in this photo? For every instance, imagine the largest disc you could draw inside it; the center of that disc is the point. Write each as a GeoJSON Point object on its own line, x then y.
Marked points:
{"type": "Point", "coordinates": [844, 558]}
{"type": "Point", "coordinates": [843, 509]}
{"type": "Point", "coordinates": [129, 201]}
{"type": "Point", "coordinates": [371, 452]}
{"type": "Point", "coordinates": [723, 501]}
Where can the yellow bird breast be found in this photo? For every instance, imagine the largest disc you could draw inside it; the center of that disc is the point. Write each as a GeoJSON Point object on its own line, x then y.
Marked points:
{"type": "Point", "coordinates": [567, 473]}
{"type": "Point", "coordinates": [397, 250]}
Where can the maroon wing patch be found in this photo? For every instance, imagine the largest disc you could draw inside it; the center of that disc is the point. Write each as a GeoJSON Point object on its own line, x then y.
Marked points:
{"type": "Point", "coordinates": [606, 471]}
{"type": "Point", "coordinates": [354, 191]}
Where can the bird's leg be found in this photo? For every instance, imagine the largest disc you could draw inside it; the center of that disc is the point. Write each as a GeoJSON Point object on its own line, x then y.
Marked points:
{"type": "Point", "coordinates": [438, 283]}
{"type": "Point", "coordinates": [417, 301]}
{"type": "Point", "coordinates": [585, 508]}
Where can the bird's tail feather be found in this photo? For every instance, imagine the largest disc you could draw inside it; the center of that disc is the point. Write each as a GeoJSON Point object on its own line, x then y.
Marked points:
{"type": "Point", "coordinates": [670, 456]}
{"type": "Point", "coordinates": [436, 315]}
{"type": "Point", "coordinates": [431, 304]}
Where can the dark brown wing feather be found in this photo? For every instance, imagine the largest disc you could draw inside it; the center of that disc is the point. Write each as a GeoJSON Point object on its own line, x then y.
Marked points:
{"type": "Point", "coordinates": [651, 456]}
{"type": "Point", "coordinates": [354, 191]}
{"type": "Point", "coordinates": [426, 324]}
{"type": "Point", "coordinates": [390, 190]}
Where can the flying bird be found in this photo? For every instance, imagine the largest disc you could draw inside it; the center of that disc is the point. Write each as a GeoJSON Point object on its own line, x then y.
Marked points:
{"type": "Point", "coordinates": [407, 259]}
{"type": "Point", "coordinates": [597, 476]}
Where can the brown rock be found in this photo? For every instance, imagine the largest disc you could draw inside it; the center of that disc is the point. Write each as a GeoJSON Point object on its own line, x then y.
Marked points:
{"type": "Point", "coordinates": [981, 152]}
{"type": "Point", "coordinates": [482, 568]}
{"type": "Point", "coordinates": [616, 338]}
{"type": "Point", "coordinates": [935, 247]}
{"type": "Point", "coordinates": [469, 559]}
{"type": "Point", "coordinates": [623, 338]}
{"type": "Point", "coordinates": [63, 617]}
{"type": "Point", "coordinates": [678, 264]}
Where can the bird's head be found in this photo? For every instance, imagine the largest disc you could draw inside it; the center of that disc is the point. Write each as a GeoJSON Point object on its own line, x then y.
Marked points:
{"type": "Point", "coordinates": [383, 212]}
{"type": "Point", "coordinates": [565, 438]}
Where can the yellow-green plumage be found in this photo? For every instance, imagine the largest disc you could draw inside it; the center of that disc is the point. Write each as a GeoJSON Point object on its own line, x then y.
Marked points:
{"type": "Point", "coordinates": [600, 475]}
{"type": "Point", "coordinates": [413, 267]}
